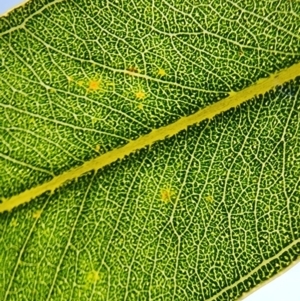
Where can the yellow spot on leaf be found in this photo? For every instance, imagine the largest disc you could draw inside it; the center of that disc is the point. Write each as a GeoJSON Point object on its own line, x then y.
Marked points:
{"type": "Point", "coordinates": [140, 106]}
{"type": "Point", "coordinates": [97, 148]}
{"type": "Point", "coordinates": [161, 72]}
{"type": "Point", "coordinates": [209, 199]}
{"type": "Point", "coordinates": [166, 194]}
{"type": "Point", "coordinates": [93, 276]}
{"type": "Point", "coordinates": [80, 83]}
{"type": "Point", "coordinates": [14, 223]}
{"type": "Point", "coordinates": [46, 232]}
{"type": "Point", "coordinates": [94, 120]}
{"type": "Point", "coordinates": [140, 94]}
{"type": "Point", "coordinates": [37, 214]}
{"type": "Point", "coordinates": [69, 78]}
{"type": "Point", "coordinates": [94, 85]}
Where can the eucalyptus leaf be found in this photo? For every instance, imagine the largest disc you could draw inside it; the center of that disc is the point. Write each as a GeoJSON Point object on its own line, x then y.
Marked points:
{"type": "Point", "coordinates": [133, 179]}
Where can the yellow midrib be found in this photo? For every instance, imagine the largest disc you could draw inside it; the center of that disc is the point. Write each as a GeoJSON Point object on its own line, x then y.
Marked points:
{"type": "Point", "coordinates": [236, 98]}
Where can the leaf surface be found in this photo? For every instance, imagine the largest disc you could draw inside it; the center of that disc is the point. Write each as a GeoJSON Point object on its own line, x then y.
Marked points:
{"type": "Point", "coordinates": [206, 214]}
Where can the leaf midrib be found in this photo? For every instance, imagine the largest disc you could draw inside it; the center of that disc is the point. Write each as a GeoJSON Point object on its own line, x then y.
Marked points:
{"type": "Point", "coordinates": [233, 100]}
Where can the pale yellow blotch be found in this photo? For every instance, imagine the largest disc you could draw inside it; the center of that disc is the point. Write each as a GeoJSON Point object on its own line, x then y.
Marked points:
{"type": "Point", "coordinates": [37, 214]}
{"type": "Point", "coordinates": [161, 72]}
{"type": "Point", "coordinates": [209, 199]}
{"type": "Point", "coordinates": [52, 90]}
{"type": "Point", "coordinates": [80, 83]}
{"type": "Point", "coordinates": [93, 276]}
{"type": "Point", "coordinates": [140, 94]}
{"type": "Point", "coordinates": [97, 148]}
{"type": "Point", "coordinates": [13, 223]}
{"type": "Point", "coordinates": [94, 85]}
{"type": "Point", "coordinates": [46, 232]}
{"type": "Point", "coordinates": [69, 78]}
{"type": "Point", "coordinates": [166, 194]}
{"type": "Point", "coordinates": [94, 120]}
{"type": "Point", "coordinates": [140, 106]}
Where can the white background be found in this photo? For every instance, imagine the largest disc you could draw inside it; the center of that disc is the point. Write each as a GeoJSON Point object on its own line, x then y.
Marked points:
{"type": "Point", "coordinates": [284, 288]}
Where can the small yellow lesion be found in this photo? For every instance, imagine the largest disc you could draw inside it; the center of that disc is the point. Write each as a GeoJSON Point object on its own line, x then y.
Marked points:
{"type": "Point", "coordinates": [37, 214]}
{"type": "Point", "coordinates": [46, 232]}
{"type": "Point", "coordinates": [161, 72]}
{"type": "Point", "coordinates": [140, 94]}
{"type": "Point", "coordinates": [97, 148]}
{"type": "Point", "coordinates": [97, 84]}
{"type": "Point", "coordinates": [209, 199]}
{"type": "Point", "coordinates": [94, 120]}
{"type": "Point", "coordinates": [13, 223]}
{"type": "Point", "coordinates": [140, 106]}
{"type": "Point", "coordinates": [166, 194]}
{"type": "Point", "coordinates": [70, 78]}
{"type": "Point", "coordinates": [94, 85]}
{"type": "Point", "coordinates": [267, 208]}
{"type": "Point", "coordinates": [92, 276]}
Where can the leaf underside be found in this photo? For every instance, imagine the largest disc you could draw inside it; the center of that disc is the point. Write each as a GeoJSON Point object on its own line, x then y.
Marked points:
{"type": "Point", "coordinates": [207, 214]}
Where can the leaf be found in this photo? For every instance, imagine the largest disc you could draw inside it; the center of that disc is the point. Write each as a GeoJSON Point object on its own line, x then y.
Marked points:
{"type": "Point", "coordinates": [200, 201]}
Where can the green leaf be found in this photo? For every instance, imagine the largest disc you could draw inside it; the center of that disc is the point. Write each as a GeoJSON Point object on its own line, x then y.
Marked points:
{"type": "Point", "coordinates": [158, 144]}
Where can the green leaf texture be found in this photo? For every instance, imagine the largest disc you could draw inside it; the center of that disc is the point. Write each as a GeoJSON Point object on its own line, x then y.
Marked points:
{"type": "Point", "coordinates": [207, 214]}
{"type": "Point", "coordinates": [51, 50]}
